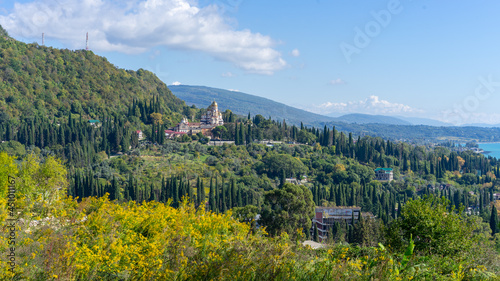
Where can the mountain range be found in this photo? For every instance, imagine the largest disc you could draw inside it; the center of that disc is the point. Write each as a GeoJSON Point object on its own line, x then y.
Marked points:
{"type": "Point", "coordinates": [242, 104]}
{"type": "Point", "coordinates": [44, 81]}
{"type": "Point", "coordinates": [396, 128]}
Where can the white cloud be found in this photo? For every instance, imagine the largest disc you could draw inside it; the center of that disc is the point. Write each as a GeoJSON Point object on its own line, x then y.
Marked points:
{"type": "Point", "coordinates": [135, 26]}
{"type": "Point", "coordinates": [336, 81]}
{"type": "Point", "coordinates": [295, 53]}
{"type": "Point", "coordinates": [233, 90]}
{"type": "Point", "coordinates": [370, 105]}
{"type": "Point", "coordinates": [228, 74]}
{"type": "Point", "coordinates": [176, 83]}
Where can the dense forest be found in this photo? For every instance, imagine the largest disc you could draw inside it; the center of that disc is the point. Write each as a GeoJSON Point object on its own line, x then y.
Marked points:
{"type": "Point", "coordinates": [93, 201]}
{"type": "Point", "coordinates": [39, 81]}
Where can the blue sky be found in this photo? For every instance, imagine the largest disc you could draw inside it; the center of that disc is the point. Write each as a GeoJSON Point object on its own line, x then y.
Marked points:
{"type": "Point", "coordinates": [434, 59]}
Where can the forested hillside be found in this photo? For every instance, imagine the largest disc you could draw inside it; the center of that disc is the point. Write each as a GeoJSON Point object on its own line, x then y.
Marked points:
{"type": "Point", "coordinates": [48, 82]}
{"type": "Point", "coordinates": [95, 202]}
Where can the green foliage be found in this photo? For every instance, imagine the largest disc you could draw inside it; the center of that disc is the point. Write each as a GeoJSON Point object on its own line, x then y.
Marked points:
{"type": "Point", "coordinates": [276, 164]}
{"type": "Point", "coordinates": [287, 209]}
{"type": "Point", "coordinates": [435, 228]}
{"type": "Point", "coordinates": [42, 184]}
{"type": "Point", "coordinates": [44, 81]}
{"type": "Point", "coordinates": [13, 148]}
{"type": "Point", "coordinates": [494, 220]}
{"type": "Point", "coordinates": [246, 214]}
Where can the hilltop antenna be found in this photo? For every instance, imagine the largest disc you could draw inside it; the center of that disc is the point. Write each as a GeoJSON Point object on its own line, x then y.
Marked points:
{"type": "Point", "coordinates": [43, 39]}
{"type": "Point", "coordinates": [87, 43]}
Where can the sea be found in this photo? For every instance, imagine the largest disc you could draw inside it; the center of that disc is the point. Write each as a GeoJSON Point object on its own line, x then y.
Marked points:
{"type": "Point", "coordinates": [490, 149]}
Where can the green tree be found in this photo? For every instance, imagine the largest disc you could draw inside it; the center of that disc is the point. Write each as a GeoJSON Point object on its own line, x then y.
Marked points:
{"type": "Point", "coordinates": [245, 214]}
{"type": "Point", "coordinates": [276, 164]}
{"type": "Point", "coordinates": [494, 220]}
{"type": "Point", "coordinates": [315, 234]}
{"type": "Point", "coordinates": [211, 199]}
{"type": "Point", "coordinates": [219, 131]}
{"type": "Point", "coordinates": [435, 229]}
{"type": "Point", "coordinates": [288, 209]}
{"type": "Point", "coordinates": [306, 137]}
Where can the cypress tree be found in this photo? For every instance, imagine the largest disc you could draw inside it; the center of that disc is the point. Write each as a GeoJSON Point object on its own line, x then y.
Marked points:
{"type": "Point", "coordinates": [315, 235]}
{"type": "Point", "coordinates": [240, 199]}
{"type": "Point", "coordinates": [175, 189]}
{"type": "Point", "coordinates": [217, 197]}
{"type": "Point", "coordinates": [249, 134]}
{"type": "Point", "coordinates": [229, 194]}
{"type": "Point", "coordinates": [234, 194]}
{"type": "Point", "coordinates": [283, 178]}
{"type": "Point", "coordinates": [494, 220]}
{"type": "Point", "coordinates": [332, 194]}
{"type": "Point", "coordinates": [223, 197]}
{"type": "Point", "coordinates": [212, 205]}
{"type": "Point", "coordinates": [202, 193]}
{"type": "Point", "coordinates": [115, 189]}
{"type": "Point", "coordinates": [190, 191]}
{"type": "Point", "coordinates": [242, 135]}
{"type": "Point", "coordinates": [236, 135]}
{"type": "Point", "coordinates": [198, 189]}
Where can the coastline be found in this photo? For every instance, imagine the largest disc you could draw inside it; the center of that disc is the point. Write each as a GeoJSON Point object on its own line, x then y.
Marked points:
{"type": "Point", "coordinates": [491, 149]}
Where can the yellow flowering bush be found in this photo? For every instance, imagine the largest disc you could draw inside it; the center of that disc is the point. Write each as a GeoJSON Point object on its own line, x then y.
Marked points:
{"type": "Point", "coordinates": [97, 239]}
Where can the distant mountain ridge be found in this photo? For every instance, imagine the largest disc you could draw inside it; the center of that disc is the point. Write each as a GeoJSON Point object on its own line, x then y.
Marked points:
{"type": "Point", "coordinates": [424, 121]}
{"type": "Point", "coordinates": [368, 119]}
{"type": "Point", "coordinates": [359, 124]}
{"type": "Point", "coordinates": [241, 104]}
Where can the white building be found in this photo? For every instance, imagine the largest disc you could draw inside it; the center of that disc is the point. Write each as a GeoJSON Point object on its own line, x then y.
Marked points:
{"type": "Point", "coordinates": [384, 174]}
{"type": "Point", "coordinates": [213, 117]}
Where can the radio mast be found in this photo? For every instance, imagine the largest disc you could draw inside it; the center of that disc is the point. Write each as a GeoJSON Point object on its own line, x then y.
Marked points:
{"type": "Point", "coordinates": [87, 43]}
{"type": "Point", "coordinates": [43, 39]}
